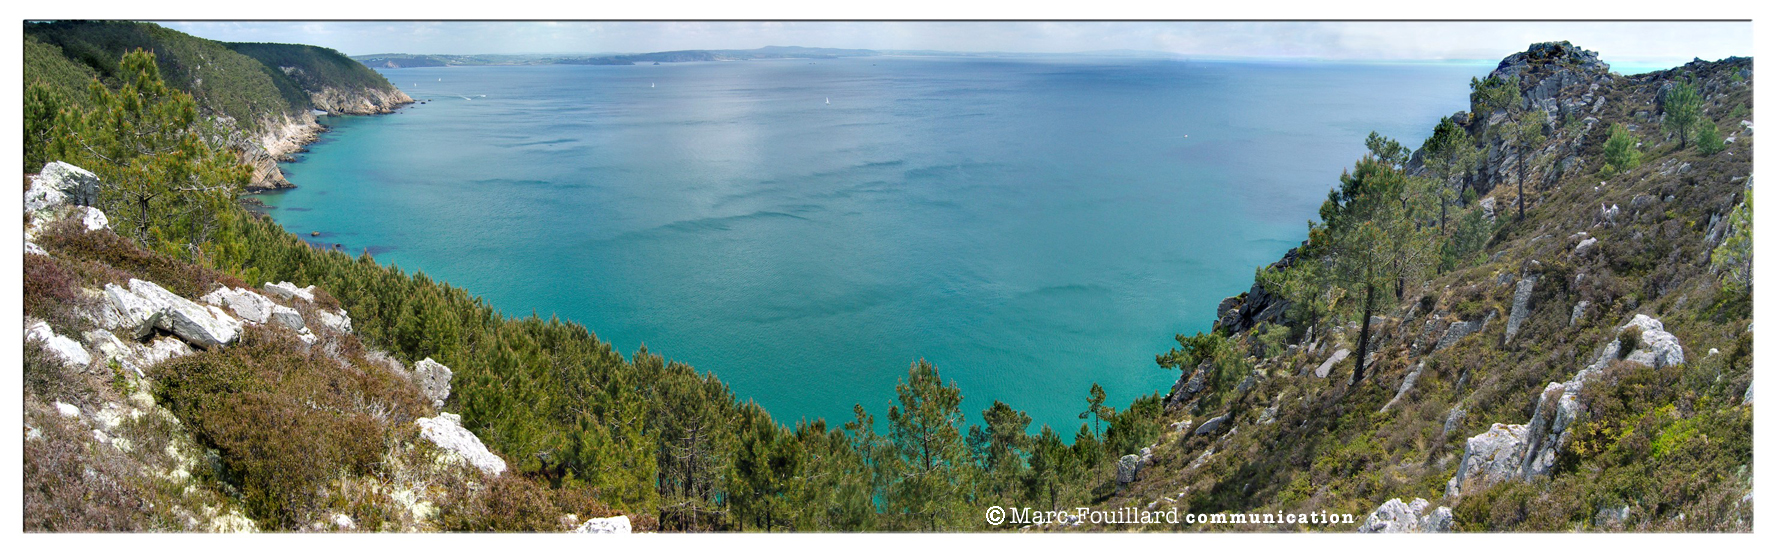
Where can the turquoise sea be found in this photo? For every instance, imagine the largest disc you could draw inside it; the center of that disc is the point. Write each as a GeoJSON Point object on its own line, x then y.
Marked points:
{"type": "Point", "coordinates": [808, 229]}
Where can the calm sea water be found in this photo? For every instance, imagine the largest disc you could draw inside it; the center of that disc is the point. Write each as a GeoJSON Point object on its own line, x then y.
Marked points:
{"type": "Point", "coordinates": [1029, 225]}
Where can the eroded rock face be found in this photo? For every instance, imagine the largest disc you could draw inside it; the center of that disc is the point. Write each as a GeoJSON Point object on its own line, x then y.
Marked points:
{"type": "Point", "coordinates": [1657, 348]}
{"type": "Point", "coordinates": [433, 378]}
{"type": "Point", "coordinates": [1394, 516]}
{"type": "Point", "coordinates": [1516, 316]}
{"type": "Point", "coordinates": [1490, 457]}
{"type": "Point", "coordinates": [1561, 402]}
{"type": "Point", "coordinates": [610, 525]}
{"type": "Point", "coordinates": [446, 431]}
{"type": "Point", "coordinates": [1188, 386]}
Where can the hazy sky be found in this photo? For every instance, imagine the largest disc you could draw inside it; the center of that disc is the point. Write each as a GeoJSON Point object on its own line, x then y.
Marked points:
{"type": "Point", "coordinates": [1616, 42]}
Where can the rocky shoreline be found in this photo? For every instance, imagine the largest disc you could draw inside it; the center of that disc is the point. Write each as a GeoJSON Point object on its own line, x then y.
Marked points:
{"type": "Point", "coordinates": [286, 136]}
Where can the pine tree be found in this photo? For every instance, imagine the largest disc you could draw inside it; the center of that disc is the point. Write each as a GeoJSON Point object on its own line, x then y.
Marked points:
{"type": "Point", "coordinates": [1682, 106]}
{"type": "Point", "coordinates": [937, 480]}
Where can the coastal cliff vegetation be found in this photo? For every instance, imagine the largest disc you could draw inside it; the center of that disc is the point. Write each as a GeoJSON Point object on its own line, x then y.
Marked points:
{"type": "Point", "coordinates": [1415, 255]}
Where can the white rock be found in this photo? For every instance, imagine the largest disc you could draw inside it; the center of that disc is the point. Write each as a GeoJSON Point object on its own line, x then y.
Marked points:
{"type": "Point", "coordinates": [133, 312]}
{"type": "Point", "coordinates": [1582, 247]}
{"type": "Point", "coordinates": [286, 291]}
{"type": "Point", "coordinates": [93, 218]}
{"type": "Point", "coordinates": [252, 307]}
{"type": "Point", "coordinates": [1394, 517]}
{"type": "Point", "coordinates": [343, 522]}
{"type": "Point", "coordinates": [1492, 456]}
{"type": "Point", "coordinates": [1323, 369]}
{"type": "Point", "coordinates": [1658, 347]}
{"type": "Point", "coordinates": [205, 327]}
{"type": "Point", "coordinates": [434, 379]}
{"type": "Point", "coordinates": [610, 525]}
{"type": "Point", "coordinates": [446, 431]}
{"type": "Point", "coordinates": [67, 349]}
{"type": "Point", "coordinates": [337, 320]}
{"type": "Point", "coordinates": [33, 248]}
{"type": "Point", "coordinates": [67, 410]}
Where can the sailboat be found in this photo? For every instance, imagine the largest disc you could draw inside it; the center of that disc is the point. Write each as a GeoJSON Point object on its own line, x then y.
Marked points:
{"type": "Point", "coordinates": [654, 85]}
{"type": "Point", "coordinates": [827, 101]}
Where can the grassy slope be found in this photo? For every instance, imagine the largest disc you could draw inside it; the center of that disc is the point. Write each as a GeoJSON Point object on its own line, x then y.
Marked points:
{"type": "Point", "coordinates": [1673, 444]}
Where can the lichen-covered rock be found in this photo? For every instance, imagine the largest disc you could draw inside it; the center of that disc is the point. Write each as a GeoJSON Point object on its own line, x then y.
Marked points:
{"type": "Point", "coordinates": [433, 378]}
{"type": "Point", "coordinates": [69, 351]}
{"type": "Point", "coordinates": [1127, 469]}
{"type": "Point", "coordinates": [1490, 457]}
{"type": "Point", "coordinates": [446, 431]}
{"type": "Point", "coordinates": [1438, 521]}
{"type": "Point", "coordinates": [611, 525]}
{"type": "Point", "coordinates": [61, 183]}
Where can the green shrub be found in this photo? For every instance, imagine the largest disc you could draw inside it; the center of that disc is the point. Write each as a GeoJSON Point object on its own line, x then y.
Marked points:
{"type": "Point", "coordinates": [1709, 141]}
{"type": "Point", "coordinates": [1621, 150]}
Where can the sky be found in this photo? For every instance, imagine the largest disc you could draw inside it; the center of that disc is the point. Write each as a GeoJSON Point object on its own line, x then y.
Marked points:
{"type": "Point", "coordinates": [1666, 43]}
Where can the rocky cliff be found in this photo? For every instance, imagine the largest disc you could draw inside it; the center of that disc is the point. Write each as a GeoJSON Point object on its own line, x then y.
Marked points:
{"type": "Point", "coordinates": [1614, 391]}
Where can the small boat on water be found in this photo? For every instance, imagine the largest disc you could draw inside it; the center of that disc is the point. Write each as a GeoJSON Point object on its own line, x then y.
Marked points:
{"type": "Point", "coordinates": [827, 101]}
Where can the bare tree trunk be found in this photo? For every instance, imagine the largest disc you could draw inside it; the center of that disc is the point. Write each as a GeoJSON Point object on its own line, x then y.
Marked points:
{"type": "Point", "coordinates": [1365, 332]}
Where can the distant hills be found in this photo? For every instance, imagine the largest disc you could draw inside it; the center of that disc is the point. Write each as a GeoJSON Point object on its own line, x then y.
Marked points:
{"type": "Point", "coordinates": [675, 56]}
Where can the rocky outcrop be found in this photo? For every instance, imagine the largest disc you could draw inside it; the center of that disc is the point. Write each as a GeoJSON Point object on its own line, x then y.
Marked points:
{"type": "Point", "coordinates": [362, 101]}
{"type": "Point", "coordinates": [1188, 386]}
{"type": "Point", "coordinates": [1212, 425]}
{"type": "Point", "coordinates": [135, 356]}
{"type": "Point", "coordinates": [433, 378]}
{"type": "Point", "coordinates": [61, 183]}
{"type": "Point", "coordinates": [1394, 516]}
{"type": "Point", "coordinates": [1560, 402]}
{"type": "Point", "coordinates": [446, 431]}
{"type": "Point", "coordinates": [1127, 469]}
{"type": "Point", "coordinates": [1258, 305]}
{"type": "Point", "coordinates": [145, 306]}
{"type": "Point", "coordinates": [1490, 457]}
{"type": "Point", "coordinates": [254, 308]}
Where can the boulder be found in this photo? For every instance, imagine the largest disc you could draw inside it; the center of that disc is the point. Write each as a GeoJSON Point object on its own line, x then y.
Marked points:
{"type": "Point", "coordinates": [433, 378]}
{"type": "Point", "coordinates": [1394, 516]}
{"type": "Point", "coordinates": [1323, 369]}
{"type": "Point", "coordinates": [61, 183]}
{"type": "Point", "coordinates": [1211, 425]}
{"type": "Point", "coordinates": [1657, 347]}
{"type": "Point", "coordinates": [69, 351]}
{"type": "Point", "coordinates": [1128, 469]}
{"type": "Point", "coordinates": [1583, 246]}
{"type": "Point", "coordinates": [446, 431]}
{"type": "Point", "coordinates": [204, 327]}
{"type": "Point", "coordinates": [1454, 332]}
{"type": "Point", "coordinates": [250, 306]}
{"type": "Point", "coordinates": [1490, 457]}
{"type": "Point", "coordinates": [286, 291]}
{"type": "Point", "coordinates": [610, 525]}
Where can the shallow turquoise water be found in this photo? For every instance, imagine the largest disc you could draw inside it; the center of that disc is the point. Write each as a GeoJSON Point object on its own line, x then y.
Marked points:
{"type": "Point", "coordinates": [1028, 225]}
